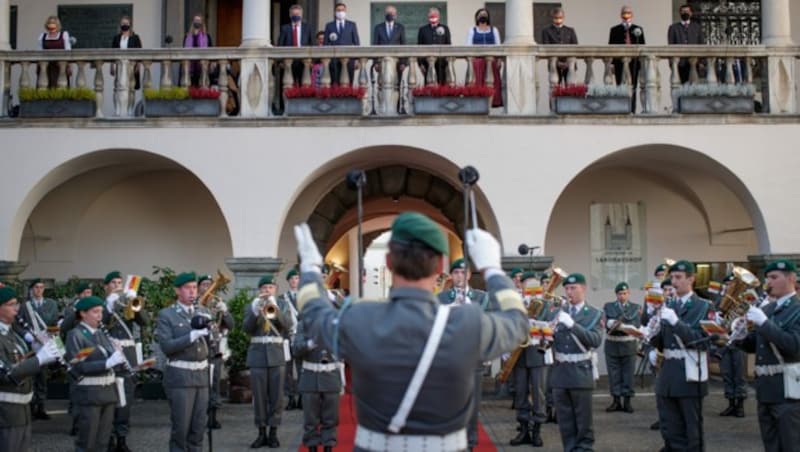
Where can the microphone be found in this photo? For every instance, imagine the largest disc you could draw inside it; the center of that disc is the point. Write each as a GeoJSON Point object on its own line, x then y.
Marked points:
{"type": "Point", "coordinates": [713, 338]}
{"type": "Point", "coordinates": [468, 175]}
{"type": "Point", "coordinates": [356, 179]}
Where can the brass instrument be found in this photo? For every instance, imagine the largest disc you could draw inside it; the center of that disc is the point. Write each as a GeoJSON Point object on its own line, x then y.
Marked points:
{"type": "Point", "coordinates": [735, 303]}
{"type": "Point", "coordinates": [208, 299]}
{"type": "Point", "coordinates": [128, 306]}
{"type": "Point", "coordinates": [550, 291]}
{"type": "Point", "coordinates": [268, 308]}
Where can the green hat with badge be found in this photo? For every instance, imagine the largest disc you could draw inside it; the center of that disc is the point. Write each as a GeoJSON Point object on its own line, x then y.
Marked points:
{"type": "Point", "coordinates": [204, 278]}
{"type": "Point", "coordinates": [84, 304]}
{"type": "Point", "coordinates": [527, 275]}
{"type": "Point", "coordinates": [514, 272]}
{"type": "Point", "coordinates": [666, 282]}
{"type": "Point", "coordinates": [292, 272]}
{"type": "Point", "coordinates": [458, 264]}
{"type": "Point", "coordinates": [574, 278]}
{"type": "Point", "coordinates": [35, 281]}
{"type": "Point", "coordinates": [661, 268]}
{"type": "Point", "coordinates": [682, 266]}
{"type": "Point", "coordinates": [83, 285]}
{"type": "Point", "coordinates": [621, 286]}
{"type": "Point", "coordinates": [184, 278]}
{"type": "Point", "coordinates": [269, 278]}
{"type": "Point", "coordinates": [7, 294]}
{"type": "Point", "coordinates": [411, 226]}
{"type": "Point", "coordinates": [112, 275]}
{"type": "Point", "coordinates": [781, 266]}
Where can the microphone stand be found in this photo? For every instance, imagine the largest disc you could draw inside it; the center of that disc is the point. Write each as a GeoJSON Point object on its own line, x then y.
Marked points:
{"type": "Point", "coordinates": [469, 177]}
{"type": "Point", "coordinates": [356, 179]}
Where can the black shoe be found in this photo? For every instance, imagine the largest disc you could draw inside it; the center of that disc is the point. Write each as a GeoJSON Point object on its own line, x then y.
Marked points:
{"type": "Point", "coordinates": [272, 440]}
{"type": "Point", "coordinates": [291, 405]}
{"type": "Point", "coordinates": [551, 416]}
{"type": "Point", "coordinates": [121, 446]}
{"type": "Point", "coordinates": [731, 410]}
{"type": "Point", "coordinates": [41, 414]}
{"type": "Point", "coordinates": [261, 441]}
{"type": "Point", "coordinates": [299, 404]}
{"type": "Point", "coordinates": [536, 435]}
{"type": "Point", "coordinates": [312, 448]}
{"type": "Point", "coordinates": [74, 430]}
{"type": "Point", "coordinates": [327, 449]}
{"type": "Point", "coordinates": [626, 405]}
{"type": "Point", "coordinates": [615, 406]}
{"type": "Point", "coordinates": [523, 437]}
{"type": "Point", "coordinates": [655, 425]}
{"type": "Point", "coordinates": [112, 444]}
{"type": "Point", "coordinates": [213, 423]}
{"type": "Point", "coordinates": [739, 411]}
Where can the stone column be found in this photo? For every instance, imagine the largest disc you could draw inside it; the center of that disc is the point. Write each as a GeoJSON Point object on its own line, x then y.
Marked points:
{"type": "Point", "coordinates": [5, 25]}
{"type": "Point", "coordinates": [256, 23]}
{"type": "Point", "coordinates": [248, 270]}
{"type": "Point", "coordinates": [776, 28]}
{"type": "Point", "coordinates": [519, 22]}
{"type": "Point", "coordinates": [776, 31]}
{"type": "Point", "coordinates": [10, 270]}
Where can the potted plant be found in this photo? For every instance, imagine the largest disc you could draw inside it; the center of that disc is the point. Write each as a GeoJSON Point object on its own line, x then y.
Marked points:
{"type": "Point", "coordinates": [57, 103]}
{"type": "Point", "coordinates": [239, 341]}
{"type": "Point", "coordinates": [715, 99]}
{"type": "Point", "coordinates": [181, 102]}
{"type": "Point", "coordinates": [591, 100]}
{"type": "Point", "coordinates": [334, 100]}
{"type": "Point", "coordinates": [448, 100]}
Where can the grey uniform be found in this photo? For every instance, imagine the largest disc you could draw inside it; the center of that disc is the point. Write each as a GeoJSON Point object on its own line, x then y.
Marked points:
{"type": "Point", "coordinates": [46, 315]}
{"type": "Point", "coordinates": [186, 389]}
{"type": "Point", "coordinates": [620, 348]}
{"type": "Point", "coordinates": [293, 366]}
{"type": "Point", "coordinates": [679, 401]}
{"type": "Point", "coordinates": [481, 298]}
{"type": "Point", "coordinates": [95, 391]}
{"type": "Point", "coordinates": [224, 322]}
{"type": "Point", "coordinates": [69, 322]}
{"type": "Point", "coordinates": [573, 381]}
{"type": "Point", "coordinates": [267, 363]}
{"type": "Point", "coordinates": [529, 377]}
{"type": "Point", "coordinates": [320, 389]}
{"type": "Point", "coordinates": [383, 341]}
{"type": "Point", "coordinates": [778, 416]}
{"type": "Point", "coordinates": [732, 368]}
{"type": "Point", "coordinates": [16, 380]}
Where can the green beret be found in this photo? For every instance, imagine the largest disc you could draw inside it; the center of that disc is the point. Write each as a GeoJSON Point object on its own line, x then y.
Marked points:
{"type": "Point", "coordinates": [183, 278]}
{"type": "Point", "coordinates": [728, 278]}
{"type": "Point", "coordinates": [112, 275]}
{"type": "Point", "coordinates": [292, 272]}
{"type": "Point", "coordinates": [661, 268]}
{"type": "Point", "coordinates": [81, 287]}
{"type": "Point", "coordinates": [527, 275]}
{"type": "Point", "coordinates": [781, 265]}
{"type": "Point", "coordinates": [410, 226]}
{"type": "Point", "coordinates": [666, 282]}
{"type": "Point", "coordinates": [87, 303]}
{"type": "Point", "coordinates": [620, 287]}
{"type": "Point", "coordinates": [682, 266]}
{"type": "Point", "coordinates": [36, 281]}
{"type": "Point", "coordinates": [7, 294]}
{"type": "Point", "coordinates": [266, 279]}
{"type": "Point", "coordinates": [574, 278]}
{"type": "Point", "coordinates": [204, 278]}
{"type": "Point", "coordinates": [458, 263]}
{"type": "Point", "coordinates": [515, 272]}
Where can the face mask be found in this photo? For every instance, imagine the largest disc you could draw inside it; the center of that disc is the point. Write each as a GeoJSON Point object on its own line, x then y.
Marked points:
{"type": "Point", "coordinates": [483, 20]}
{"type": "Point", "coordinates": [433, 20]}
{"type": "Point", "coordinates": [296, 18]}
{"type": "Point", "coordinates": [390, 17]}
{"type": "Point", "coordinates": [558, 21]}
{"type": "Point", "coordinates": [341, 15]}
{"type": "Point", "coordinates": [197, 25]}
{"type": "Point", "coordinates": [125, 27]}
{"type": "Point", "coordinates": [685, 16]}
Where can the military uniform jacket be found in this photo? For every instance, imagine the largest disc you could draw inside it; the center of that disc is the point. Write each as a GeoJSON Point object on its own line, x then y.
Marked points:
{"type": "Point", "coordinates": [48, 313]}
{"type": "Point", "coordinates": [588, 329]}
{"type": "Point", "coordinates": [173, 328]}
{"type": "Point", "coordinates": [671, 380]}
{"type": "Point", "coordinates": [93, 366]}
{"type": "Point", "coordinates": [15, 377]}
{"type": "Point", "coordinates": [475, 296]}
{"type": "Point", "coordinates": [329, 381]}
{"type": "Point", "coordinates": [383, 342]}
{"type": "Point", "coordinates": [269, 354]}
{"type": "Point", "coordinates": [783, 330]}
{"type": "Point", "coordinates": [224, 321]}
{"type": "Point", "coordinates": [531, 356]}
{"type": "Point", "coordinates": [117, 331]}
{"type": "Point", "coordinates": [630, 314]}
{"type": "Point", "coordinates": [290, 300]}
{"type": "Point", "coordinates": [70, 320]}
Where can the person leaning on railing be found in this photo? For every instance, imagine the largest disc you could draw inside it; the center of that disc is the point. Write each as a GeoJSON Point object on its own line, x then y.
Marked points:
{"type": "Point", "coordinates": [54, 38]}
{"type": "Point", "coordinates": [483, 33]}
{"type": "Point", "coordinates": [127, 39]}
{"type": "Point", "coordinates": [197, 37]}
{"type": "Point", "coordinates": [435, 33]}
{"type": "Point", "coordinates": [559, 34]}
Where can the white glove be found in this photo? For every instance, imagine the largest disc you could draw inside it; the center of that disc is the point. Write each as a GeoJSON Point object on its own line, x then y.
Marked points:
{"type": "Point", "coordinates": [652, 357]}
{"type": "Point", "coordinates": [130, 293]}
{"type": "Point", "coordinates": [650, 309]}
{"type": "Point", "coordinates": [196, 334]}
{"type": "Point", "coordinates": [310, 259]}
{"type": "Point", "coordinates": [756, 316]}
{"type": "Point", "coordinates": [311, 344]}
{"type": "Point", "coordinates": [611, 323]}
{"type": "Point", "coordinates": [49, 353]}
{"type": "Point", "coordinates": [669, 315]}
{"type": "Point", "coordinates": [565, 319]}
{"type": "Point", "coordinates": [29, 337]}
{"type": "Point", "coordinates": [645, 331]}
{"type": "Point", "coordinates": [505, 356]}
{"type": "Point", "coordinates": [110, 300]}
{"type": "Point", "coordinates": [483, 249]}
{"type": "Point", "coordinates": [115, 359]}
{"type": "Point", "coordinates": [222, 307]}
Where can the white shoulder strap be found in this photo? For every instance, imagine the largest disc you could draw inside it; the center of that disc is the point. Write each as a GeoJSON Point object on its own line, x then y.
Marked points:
{"type": "Point", "coordinates": [424, 365]}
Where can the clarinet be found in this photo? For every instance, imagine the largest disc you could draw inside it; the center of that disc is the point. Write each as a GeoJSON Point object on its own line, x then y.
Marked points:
{"type": "Point", "coordinates": [115, 343]}
{"type": "Point", "coordinates": [42, 339]}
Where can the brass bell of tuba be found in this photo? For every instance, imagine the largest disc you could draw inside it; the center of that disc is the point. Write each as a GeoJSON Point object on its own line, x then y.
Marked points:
{"type": "Point", "coordinates": [735, 303]}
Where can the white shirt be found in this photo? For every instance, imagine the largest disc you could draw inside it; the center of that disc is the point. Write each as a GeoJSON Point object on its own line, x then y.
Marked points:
{"type": "Point", "coordinates": [577, 307]}
{"type": "Point", "coordinates": [123, 41]}
{"type": "Point", "coordinates": [189, 309]}
{"type": "Point", "coordinates": [91, 330]}
{"type": "Point", "coordinates": [685, 298]}
{"type": "Point", "coordinates": [784, 299]}
{"type": "Point", "coordinates": [64, 36]}
{"type": "Point", "coordinates": [4, 327]}
{"type": "Point", "coordinates": [493, 30]}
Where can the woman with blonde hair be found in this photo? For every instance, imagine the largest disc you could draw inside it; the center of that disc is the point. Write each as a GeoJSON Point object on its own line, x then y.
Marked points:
{"type": "Point", "coordinates": [199, 38]}
{"type": "Point", "coordinates": [54, 38]}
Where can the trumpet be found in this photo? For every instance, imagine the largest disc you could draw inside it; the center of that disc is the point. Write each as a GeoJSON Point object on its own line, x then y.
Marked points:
{"type": "Point", "coordinates": [128, 306]}
{"type": "Point", "coordinates": [268, 308]}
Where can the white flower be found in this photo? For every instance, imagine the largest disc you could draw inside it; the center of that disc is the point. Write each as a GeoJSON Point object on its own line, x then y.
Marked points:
{"type": "Point", "coordinates": [333, 37]}
{"type": "Point", "coordinates": [637, 32]}
{"type": "Point", "coordinates": [440, 30]}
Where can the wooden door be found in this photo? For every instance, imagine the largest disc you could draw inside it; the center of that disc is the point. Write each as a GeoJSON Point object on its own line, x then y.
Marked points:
{"type": "Point", "coordinates": [229, 23]}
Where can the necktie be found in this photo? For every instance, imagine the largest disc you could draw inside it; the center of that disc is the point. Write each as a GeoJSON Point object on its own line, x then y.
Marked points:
{"type": "Point", "coordinates": [573, 311]}
{"type": "Point", "coordinates": [627, 34]}
{"type": "Point", "coordinates": [390, 30]}
{"type": "Point", "coordinates": [339, 27]}
{"type": "Point", "coordinates": [191, 311]}
{"type": "Point", "coordinates": [295, 39]}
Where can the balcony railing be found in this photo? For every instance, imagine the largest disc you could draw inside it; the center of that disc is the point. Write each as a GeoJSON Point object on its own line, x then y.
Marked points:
{"type": "Point", "coordinates": [652, 75]}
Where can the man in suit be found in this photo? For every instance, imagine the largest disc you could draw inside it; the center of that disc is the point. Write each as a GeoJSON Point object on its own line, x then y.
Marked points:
{"type": "Point", "coordinates": [293, 366]}
{"type": "Point", "coordinates": [434, 33]}
{"type": "Point", "coordinates": [627, 33]}
{"type": "Point", "coordinates": [295, 34]}
{"type": "Point", "coordinates": [620, 347]}
{"type": "Point", "coordinates": [679, 389]}
{"type": "Point", "coordinates": [341, 32]}
{"type": "Point", "coordinates": [776, 343]}
{"type": "Point", "coordinates": [390, 33]}
{"type": "Point", "coordinates": [39, 313]}
{"type": "Point", "coordinates": [578, 333]}
{"type": "Point", "coordinates": [559, 34]}
{"type": "Point", "coordinates": [686, 32]}
{"type": "Point", "coordinates": [186, 376]}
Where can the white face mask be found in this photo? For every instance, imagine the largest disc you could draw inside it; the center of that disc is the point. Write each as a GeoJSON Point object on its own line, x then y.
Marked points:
{"type": "Point", "coordinates": [341, 15]}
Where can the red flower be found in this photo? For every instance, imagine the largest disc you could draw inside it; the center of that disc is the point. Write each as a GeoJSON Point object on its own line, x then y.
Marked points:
{"type": "Point", "coordinates": [577, 90]}
{"type": "Point", "coordinates": [336, 91]}
{"type": "Point", "coordinates": [453, 91]}
{"type": "Point", "coordinates": [203, 93]}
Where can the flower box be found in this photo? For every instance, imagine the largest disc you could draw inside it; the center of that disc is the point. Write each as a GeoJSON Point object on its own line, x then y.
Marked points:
{"type": "Point", "coordinates": [591, 105]}
{"type": "Point", "coordinates": [158, 108]}
{"type": "Point", "coordinates": [451, 105]}
{"type": "Point", "coordinates": [57, 108]}
{"type": "Point", "coordinates": [716, 105]}
{"type": "Point", "coordinates": [311, 106]}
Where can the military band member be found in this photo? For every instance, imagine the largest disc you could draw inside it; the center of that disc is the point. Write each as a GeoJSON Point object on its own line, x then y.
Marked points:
{"type": "Point", "coordinates": [516, 278]}
{"type": "Point", "coordinates": [122, 330]}
{"type": "Point", "coordinates": [579, 331]}
{"type": "Point", "coordinates": [222, 322]}
{"type": "Point", "coordinates": [385, 341]}
{"type": "Point", "coordinates": [293, 368]}
{"type": "Point", "coordinates": [651, 310]}
{"type": "Point", "coordinates": [679, 400]}
{"type": "Point", "coordinates": [544, 280]}
{"type": "Point", "coordinates": [186, 375]}
{"type": "Point", "coordinates": [732, 368]}
{"type": "Point", "coordinates": [39, 313]}
{"type": "Point", "coordinates": [266, 358]}
{"type": "Point", "coordinates": [16, 376]}
{"type": "Point", "coordinates": [620, 347]}
{"type": "Point", "coordinates": [320, 385]}
{"type": "Point", "coordinates": [661, 272]}
{"type": "Point", "coordinates": [776, 343]}
{"type": "Point", "coordinates": [96, 389]}
{"type": "Point", "coordinates": [69, 322]}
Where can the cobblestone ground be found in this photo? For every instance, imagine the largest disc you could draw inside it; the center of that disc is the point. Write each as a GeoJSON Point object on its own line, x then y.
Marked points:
{"type": "Point", "coordinates": [614, 432]}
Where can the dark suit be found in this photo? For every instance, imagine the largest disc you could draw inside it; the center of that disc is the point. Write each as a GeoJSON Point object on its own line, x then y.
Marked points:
{"type": "Point", "coordinates": [560, 35]}
{"type": "Point", "coordinates": [347, 36]}
{"type": "Point", "coordinates": [619, 34]}
{"type": "Point", "coordinates": [285, 39]}
{"type": "Point", "coordinates": [689, 34]}
{"type": "Point", "coordinates": [380, 35]}
{"type": "Point", "coordinates": [428, 35]}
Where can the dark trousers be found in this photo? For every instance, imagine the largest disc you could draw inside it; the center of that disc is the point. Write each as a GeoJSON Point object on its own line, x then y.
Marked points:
{"type": "Point", "coordinates": [16, 438]}
{"type": "Point", "coordinates": [620, 374]}
{"type": "Point", "coordinates": [39, 390]}
{"type": "Point", "coordinates": [779, 426]}
{"type": "Point", "coordinates": [94, 427]}
{"type": "Point", "coordinates": [293, 369]}
{"type": "Point", "coordinates": [320, 418]}
{"type": "Point", "coordinates": [336, 71]}
{"type": "Point", "coordinates": [529, 399]}
{"type": "Point", "coordinates": [548, 396]}
{"type": "Point", "coordinates": [214, 400]}
{"type": "Point", "coordinates": [441, 71]}
{"type": "Point", "coordinates": [634, 66]}
{"type": "Point", "coordinates": [267, 385]}
{"type": "Point", "coordinates": [472, 422]}
{"type": "Point", "coordinates": [574, 411]}
{"type": "Point", "coordinates": [732, 368]}
{"type": "Point", "coordinates": [189, 416]}
{"type": "Point", "coordinates": [679, 417]}
{"type": "Point", "coordinates": [122, 415]}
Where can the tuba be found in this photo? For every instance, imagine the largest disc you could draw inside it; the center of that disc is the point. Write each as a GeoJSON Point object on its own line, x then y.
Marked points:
{"type": "Point", "coordinates": [208, 300]}
{"type": "Point", "coordinates": [555, 280]}
{"type": "Point", "coordinates": [735, 301]}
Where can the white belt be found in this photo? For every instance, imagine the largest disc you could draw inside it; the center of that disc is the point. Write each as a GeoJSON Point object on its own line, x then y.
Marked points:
{"type": "Point", "coordinates": [320, 367]}
{"type": "Point", "coordinates": [266, 340]}
{"type": "Point", "coordinates": [623, 338]}
{"type": "Point", "coordinates": [674, 354]}
{"type": "Point", "coordinates": [375, 441]}
{"type": "Point", "coordinates": [189, 365]}
{"type": "Point", "coordinates": [97, 381]}
{"type": "Point", "coordinates": [769, 370]}
{"type": "Point", "coordinates": [126, 343]}
{"type": "Point", "coordinates": [572, 357]}
{"type": "Point", "coordinates": [12, 397]}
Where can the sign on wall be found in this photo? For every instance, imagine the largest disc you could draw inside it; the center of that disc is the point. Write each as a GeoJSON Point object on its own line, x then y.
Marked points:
{"type": "Point", "coordinates": [94, 26]}
{"type": "Point", "coordinates": [412, 15]}
{"type": "Point", "coordinates": [618, 244]}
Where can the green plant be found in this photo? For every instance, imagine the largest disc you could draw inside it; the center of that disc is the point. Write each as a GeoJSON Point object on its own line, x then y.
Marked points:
{"type": "Point", "coordinates": [34, 94]}
{"type": "Point", "coordinates": [173, 93]}
{"type": "Point", "coordinates": [716, 89]}
{"type": "Point", "coordinates": [238, 340]}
